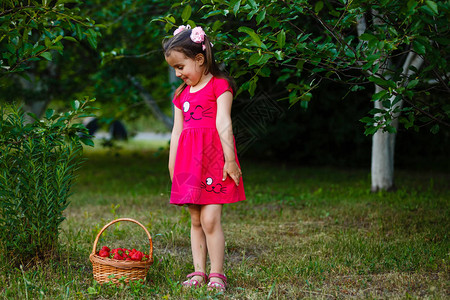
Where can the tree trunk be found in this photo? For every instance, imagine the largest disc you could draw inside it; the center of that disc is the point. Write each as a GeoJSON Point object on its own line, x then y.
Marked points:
{"type": "Point", "coordinates": [36, 107]}
{"type": "Point", "coordinates": [34, 103]}
{"type": "Point", "coordinates": [383, 146]}
{"type": "Point", "coordinates": [383, 143]}
{"type": "Point", "coordinates": [151, 103]}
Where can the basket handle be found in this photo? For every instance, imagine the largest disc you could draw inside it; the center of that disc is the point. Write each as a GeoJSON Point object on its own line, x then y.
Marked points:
{"type": "Point", "coordinates": [150, 253]}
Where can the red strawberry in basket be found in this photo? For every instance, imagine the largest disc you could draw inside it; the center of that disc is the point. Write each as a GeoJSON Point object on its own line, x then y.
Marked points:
{"type": "Point", "coordinates": [137, 255]}
{"type": "Point", "coordinates": [118, 256]}
{"type": "Point", "coordinates": [106, 248]}
{"type": "Point", "coordinates": [103, 253]}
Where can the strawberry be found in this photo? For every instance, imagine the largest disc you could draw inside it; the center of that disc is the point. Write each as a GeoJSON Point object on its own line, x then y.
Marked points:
{"type": "Point", "coordinates": [106, 248]}
{"type": "Point", "coordinates": [118, 256]}
{"type": "Point", "coordinates": [103, 253]}
{"type": "Point", "coordinates": [137, 255]}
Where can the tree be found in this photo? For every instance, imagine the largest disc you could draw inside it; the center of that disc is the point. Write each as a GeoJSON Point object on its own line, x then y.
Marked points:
{"type": "Point", "coordinates": [399, 46]}
{"type": "Point", "coordinates": [119, 69]}
{"type": "Point", "coordinates": [30, 35]}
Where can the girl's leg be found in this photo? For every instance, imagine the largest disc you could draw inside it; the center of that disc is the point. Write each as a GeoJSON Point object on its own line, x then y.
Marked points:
{"type": "Point", "coordinates": [211, 223]}
{"type": "Point", "coordinates": [198, 242]}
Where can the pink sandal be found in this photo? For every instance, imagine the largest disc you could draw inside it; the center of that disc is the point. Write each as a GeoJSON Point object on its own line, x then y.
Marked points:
{"type": "Point", "coordinates": [214, 285]}
{"type": "Point", "coordinates": [194, 282]}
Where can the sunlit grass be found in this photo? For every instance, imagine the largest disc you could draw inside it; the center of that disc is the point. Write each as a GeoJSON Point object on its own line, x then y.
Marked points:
{"type": "Point", "coordinates": [303, 232]}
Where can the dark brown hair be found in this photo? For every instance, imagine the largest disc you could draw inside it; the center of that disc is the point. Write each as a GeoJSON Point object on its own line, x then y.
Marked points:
{"type": "Point", "coordinates": [182, 42]}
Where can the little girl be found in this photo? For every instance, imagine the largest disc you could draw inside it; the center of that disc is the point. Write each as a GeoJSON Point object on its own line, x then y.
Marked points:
{"type": "Point", "coordinates": [203, 163]}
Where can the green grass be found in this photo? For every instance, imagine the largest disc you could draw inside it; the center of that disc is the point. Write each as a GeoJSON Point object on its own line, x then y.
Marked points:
{"type": "Point", "coordinates": [302, 233]}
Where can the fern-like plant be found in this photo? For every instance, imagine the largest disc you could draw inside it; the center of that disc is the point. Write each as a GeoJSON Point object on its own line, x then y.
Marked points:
{"type": "Point", "coordinates": [37, 170]}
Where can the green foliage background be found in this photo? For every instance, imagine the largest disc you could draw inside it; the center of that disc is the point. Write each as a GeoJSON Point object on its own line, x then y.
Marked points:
{"type": "Point", "coordinates": [280, 48]}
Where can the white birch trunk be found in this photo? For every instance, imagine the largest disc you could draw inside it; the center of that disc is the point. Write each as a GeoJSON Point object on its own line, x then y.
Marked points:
{"type": "Point", "coordinates": [383, 143]}
{"type": "Point", "coordinates": [383, 146]}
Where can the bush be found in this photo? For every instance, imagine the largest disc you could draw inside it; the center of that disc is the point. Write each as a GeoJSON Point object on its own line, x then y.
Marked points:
{"type": "Point", "coordinates": [37, 166]}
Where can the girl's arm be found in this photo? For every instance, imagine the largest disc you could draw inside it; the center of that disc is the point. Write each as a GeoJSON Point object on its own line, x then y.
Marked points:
{"type": "Point", "coordinates": [176, 132]}
{"type": "Point", "coordinates": [225, 129]}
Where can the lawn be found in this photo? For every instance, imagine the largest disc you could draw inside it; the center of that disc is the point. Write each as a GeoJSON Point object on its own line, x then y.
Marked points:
{"type": "Point", "coordinates": [302, 233]}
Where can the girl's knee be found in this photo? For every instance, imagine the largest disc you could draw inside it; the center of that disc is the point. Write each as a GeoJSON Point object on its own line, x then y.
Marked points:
{"type": "Point", "coordinates": [196, 222]}
{"type": "Point", "coordinates": [195, 216]}
{"type": "Point", "coordinates": [210, 223]}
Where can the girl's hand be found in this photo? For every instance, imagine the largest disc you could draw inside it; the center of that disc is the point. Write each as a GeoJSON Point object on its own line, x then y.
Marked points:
{"type": "Point", "coordinates": [231, 168]}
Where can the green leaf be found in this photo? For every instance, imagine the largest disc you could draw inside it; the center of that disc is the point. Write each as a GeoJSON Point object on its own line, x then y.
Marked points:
{"type": "Point", "coordinates": [261, 16]}
{"type": "Point", "coordinates": [234, 6]}
{"type": "Point", "coordinates": [367, 120]}
{"type": "Point", "coordinates": [381, 82]}
{"type": "Point", "coordinates": [47, 42]}
{"type": "Point", "coordinates": [69, 38]}
{"type": "Point", "coordinates": [33, 116]}
{"type": "Point", "coordinates": [281, 39]}
{"type": "Point", "coordinates": [215, 13]}
{"type": "Point", "coordinates": [370, 130]}
{"type": "Point", "coordinates": [374, 111]}
{"type": "Point", "coordinates": [217, 24]}
{"type": "Point", "coordinates": [75, 104]}
{"type": "Point", "coordinates": [433, 6]}
{"type": "Point", "coordinates": [397, 99]}
{"type": "Point", "coordinates": [87, 142]}
{"type": "Point", "coordinates": [419, 47]}
{"type": "Point", "coordinates": [435, 129]}
{"type": "Point", "coordinates": [186, 14]}
{"type": "Point", "coordinates": [252, 34]}
{"type": "Point", "coordinates": [78, 31]}
{"type": "Point", "coordinates": [191, 23]}
{"type": "Point", "coordinates": [92, 38]}
{"type": "Point", "coordinates": [254, 59]}
{"type": "Point", "coordinates": [170, 19]}
{"type": "Point", "coordinates": [300, 64]}
{"type": "Point", "coordinates": [379, 95]}
{"type": "Point", "coordinates": [265, 72]}
{"type": "Point", "coordinates": [46, 55]}
{"type": "Point", "coordinates": [390, 129]}
{"type": "Point", "coordinates": [367, 37]}
{"type": "Point", "coordinates": [279, 55]}
{"type": "Point", "coordinates": [252, 86]}
{"type": "Point", "coordinates": [386, 103]}
{"type": "Point", "coordinates": [412, 83]}
{"type": "Point", "coordinates": [58, 38]}
{"type": "Point", "coordinates": [49, 113]}
{"type": "Point", "coordinates": [10, 48]}
{"type": "Point", "coordinates": [318, 7]}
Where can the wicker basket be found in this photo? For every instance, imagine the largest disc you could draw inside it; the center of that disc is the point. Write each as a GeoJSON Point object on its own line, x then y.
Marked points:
{"type": "Point", "coordinates": [104, 267]}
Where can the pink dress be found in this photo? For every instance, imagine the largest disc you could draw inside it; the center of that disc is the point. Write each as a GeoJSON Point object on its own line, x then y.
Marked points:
{"type": "Point", "coordinates": [197, 177]}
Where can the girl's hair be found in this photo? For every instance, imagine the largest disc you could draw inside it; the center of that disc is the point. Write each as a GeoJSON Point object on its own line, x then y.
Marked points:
{"type": "Point", "coordinates": [182, 42]}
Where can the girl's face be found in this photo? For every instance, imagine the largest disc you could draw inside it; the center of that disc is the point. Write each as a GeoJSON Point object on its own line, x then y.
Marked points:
{"type": "Point", "coordinates": [190, 70]}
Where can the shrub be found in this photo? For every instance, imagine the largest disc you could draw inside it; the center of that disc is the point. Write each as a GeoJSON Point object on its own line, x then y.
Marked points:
{"type": "Point", "coordinates": [38, 161]}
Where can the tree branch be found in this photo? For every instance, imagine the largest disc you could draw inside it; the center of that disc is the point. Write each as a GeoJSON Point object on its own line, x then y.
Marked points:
{"type": "Point", "coordinates": [151, 103]}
